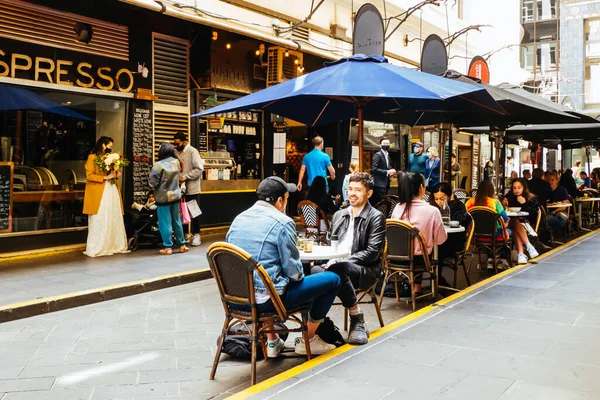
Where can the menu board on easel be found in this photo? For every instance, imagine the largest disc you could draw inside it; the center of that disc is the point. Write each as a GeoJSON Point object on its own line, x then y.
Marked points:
{"type": "Point", "coordinates": [142, 138]}
{"type": "Point", "coordinates": [6, 191]}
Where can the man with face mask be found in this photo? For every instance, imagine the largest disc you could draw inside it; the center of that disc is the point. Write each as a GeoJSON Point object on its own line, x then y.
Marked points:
{"type": "Point", "coordinates": [191, 175]}
{"type": "Point", "coordinates": [382, 171]}
{"type": "Point", "coordinates": [417, 161]}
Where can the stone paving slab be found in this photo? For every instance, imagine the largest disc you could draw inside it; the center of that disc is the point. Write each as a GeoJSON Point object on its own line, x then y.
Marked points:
{"type": "Point", "coordinates": [157, 344]}
{"type": "Point", "coordinates": [479, 345]}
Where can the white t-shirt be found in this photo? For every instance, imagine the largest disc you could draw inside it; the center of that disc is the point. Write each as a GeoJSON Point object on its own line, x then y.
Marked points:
{"type": "Point", "coordinates": [347, 239]}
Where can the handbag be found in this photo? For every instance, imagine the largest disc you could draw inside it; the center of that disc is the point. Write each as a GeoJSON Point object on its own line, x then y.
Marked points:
{"type": "Point", "coordinates": [185, 214]}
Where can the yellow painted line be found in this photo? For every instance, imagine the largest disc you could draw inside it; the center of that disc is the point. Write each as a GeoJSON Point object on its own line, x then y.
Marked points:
{"type": "Point", "coordinates": [282, 377]}
{"type": "Point", "coordinates": [97, 290]}
{"type": "Point", "coordinates": [51, 251]}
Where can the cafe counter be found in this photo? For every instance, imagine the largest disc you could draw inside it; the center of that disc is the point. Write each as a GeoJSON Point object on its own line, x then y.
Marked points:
{"type": "Point", "coordinates": [222, 200]}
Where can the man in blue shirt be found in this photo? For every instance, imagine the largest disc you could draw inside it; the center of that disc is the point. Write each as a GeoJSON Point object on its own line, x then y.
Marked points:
{"type": "Point", "coordinates": [269, 236]}
{"type": "Point", "coordinates": [417, 160]}
{"type": "Point", "coordinates": [557, 217]}
{"type": "Point", "coordinates": [316, 163]}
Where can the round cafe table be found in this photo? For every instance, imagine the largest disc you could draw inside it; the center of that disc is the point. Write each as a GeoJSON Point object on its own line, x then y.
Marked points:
{"type": "Point", "coordinates": [519, 214]}
{"type": "Point", "coordinates": [448, 230]}
{"type": "Point", "coordinates": [579, 202]}
{"type": "Point", "coordinates": [322, 253]}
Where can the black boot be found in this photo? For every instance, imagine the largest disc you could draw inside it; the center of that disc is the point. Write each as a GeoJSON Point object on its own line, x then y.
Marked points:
{"type": "Point", "coordinates": [359, 334]}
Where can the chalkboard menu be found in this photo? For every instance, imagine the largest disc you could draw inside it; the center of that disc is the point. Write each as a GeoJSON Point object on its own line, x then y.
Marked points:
{"type": "Point", "coordinates": [6, 187]}
{"type": "Point", "coordinates": [142, 140]}
{"type": "Point", "coordinates": [202, 136]}
{"type": "Point", "coordinates": [476, 162]}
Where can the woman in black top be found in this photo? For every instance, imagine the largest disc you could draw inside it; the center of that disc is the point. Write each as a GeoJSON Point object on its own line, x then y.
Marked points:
{"type": "Point", "coordinates": [488, 171]}
{"type": "Point", "coordinates": [456, 241]}
{"type": "Point", "coordinates": [519, 196]}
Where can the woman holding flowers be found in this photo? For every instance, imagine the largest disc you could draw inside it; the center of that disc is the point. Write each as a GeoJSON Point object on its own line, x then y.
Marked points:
{"type": "Point", "coordinates": [102, 201]}
{"type": "Point", "coordinates": [164, 179]}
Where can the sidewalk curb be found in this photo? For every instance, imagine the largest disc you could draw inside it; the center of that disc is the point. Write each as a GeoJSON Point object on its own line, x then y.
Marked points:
{"type": "Point", "coordinates": [44, 305]}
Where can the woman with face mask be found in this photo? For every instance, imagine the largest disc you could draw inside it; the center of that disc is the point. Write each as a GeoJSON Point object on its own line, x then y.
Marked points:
{"type": "Point", "coordinates": [102, 202]}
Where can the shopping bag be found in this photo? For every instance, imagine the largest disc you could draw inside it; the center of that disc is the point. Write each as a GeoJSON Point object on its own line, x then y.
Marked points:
{"type": "Point", "coordinates": [194, 208]}
{"type": "Point", "coordinates": [185, 215]}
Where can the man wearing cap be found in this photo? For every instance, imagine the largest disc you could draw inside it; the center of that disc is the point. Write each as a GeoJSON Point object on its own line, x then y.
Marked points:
{"type": "Point", "coordinates": [417, 161]}
{"type": "Point", "coordinates": [316, 163]}
{"type": "Point", "coordinates": [269, 236]}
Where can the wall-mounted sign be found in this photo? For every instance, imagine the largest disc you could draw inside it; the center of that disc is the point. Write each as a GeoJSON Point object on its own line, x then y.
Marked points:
{"type": "Point", "coordinates": [65, 72]}
{"type": "Point", "coordinates": [479, 69]}
{"type": "Point", "coordinates": [368, 35]}
{"type": "Point", "coordinates": [434, 58]}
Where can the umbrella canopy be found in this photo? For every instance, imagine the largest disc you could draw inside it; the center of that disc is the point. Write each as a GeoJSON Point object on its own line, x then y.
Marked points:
{"type": "Point", "coordinates": [550, 135]}
{"type": "Point", "coordinates": [17, 98]}
{"type": "Point", "coordinates": [381, 90]}
{"type": "Point", "coordinates": [521, 106]}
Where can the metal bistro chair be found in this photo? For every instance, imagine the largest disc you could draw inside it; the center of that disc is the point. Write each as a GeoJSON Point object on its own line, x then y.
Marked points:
{"type": "Point", "coordinates": [361, 294]}
{"type": "Point", "coordinates": [314, 220]}
{"type": "Point", "coordinates": [234, 269]}
{"type": "Point", "coordinates": [399, 260]}
{"type": "Point", "coordinates": [483, 231]}
{"type": "Point", "coordinates": [426, 197]}
{"type": "Point", "coordinates": [461, 194]}
{"type": "Point", "coordinates": [387, 205]}
{"type": "Point", "coordinates": [457, 262]}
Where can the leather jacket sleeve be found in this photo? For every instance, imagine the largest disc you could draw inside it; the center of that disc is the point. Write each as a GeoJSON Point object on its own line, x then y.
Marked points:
{"type": "Point", "coordinates": [375, 230]}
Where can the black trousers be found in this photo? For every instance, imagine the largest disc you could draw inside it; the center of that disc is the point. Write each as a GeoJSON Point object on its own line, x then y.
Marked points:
{"type": "Point", "coordinates": [349, 274]}
{"type": "Point", "coordinates": [195, 221]}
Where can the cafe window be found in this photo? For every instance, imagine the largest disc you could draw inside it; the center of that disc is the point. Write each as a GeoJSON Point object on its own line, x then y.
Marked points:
{"type": "Point", "coordinates": [49, 152]}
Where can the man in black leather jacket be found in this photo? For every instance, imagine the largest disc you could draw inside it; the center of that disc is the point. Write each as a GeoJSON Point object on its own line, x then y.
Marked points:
{"type": "Point", "coordinates": [361, 231]}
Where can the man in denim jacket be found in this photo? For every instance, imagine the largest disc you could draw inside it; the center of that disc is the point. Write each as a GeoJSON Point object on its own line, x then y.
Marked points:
{"type": "Point", "coordinates": [269, 236]}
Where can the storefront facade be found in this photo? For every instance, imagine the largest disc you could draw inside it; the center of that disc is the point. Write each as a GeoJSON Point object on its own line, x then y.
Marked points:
{"type": "Point", "coordinates": [101, 71]}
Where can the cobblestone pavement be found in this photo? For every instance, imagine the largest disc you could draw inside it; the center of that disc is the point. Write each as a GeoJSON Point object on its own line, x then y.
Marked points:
{"type": "Point", "coordinates": [24, 280]}
{"type": "Point", "coordinates": [158, 344]}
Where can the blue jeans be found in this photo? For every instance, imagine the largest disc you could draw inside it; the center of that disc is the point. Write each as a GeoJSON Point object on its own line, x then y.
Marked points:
{"type": "Point", "coordinates": [556, 223]}
{"type": "Point", "coordinates": [319, 289]}
{"type": "Point", "coordinates": [169, 221]}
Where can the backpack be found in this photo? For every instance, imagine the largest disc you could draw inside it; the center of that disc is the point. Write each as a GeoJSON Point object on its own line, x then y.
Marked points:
{"type": "Point", "coordinates": [330, 333]}
{"type": "Point", "coordinates": [237, 343]}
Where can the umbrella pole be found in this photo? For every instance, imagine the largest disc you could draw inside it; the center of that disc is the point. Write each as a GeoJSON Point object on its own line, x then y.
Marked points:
{"type": "Point", "coordinates": [587, 153]}
{"type": "Point", "coordinates": [360, 139]}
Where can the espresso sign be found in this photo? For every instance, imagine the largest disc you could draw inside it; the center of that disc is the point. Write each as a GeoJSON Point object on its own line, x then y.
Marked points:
{"type": "Point", "coordinates": [84, 74]}
{"type": "Point", "coordinates": [434, 58]}
{"type": "Point", "coordinates": [368, 35]}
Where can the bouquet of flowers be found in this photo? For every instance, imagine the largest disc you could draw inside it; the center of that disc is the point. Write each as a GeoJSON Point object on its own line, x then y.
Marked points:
{"type": "Point", "coordinates": [111, 162]}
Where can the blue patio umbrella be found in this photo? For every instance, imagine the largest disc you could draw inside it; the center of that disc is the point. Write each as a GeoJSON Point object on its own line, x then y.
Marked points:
{"type": "Point", "coordinates": [17, 98]}
{"type": "Point", "coordinates": [364, 87]}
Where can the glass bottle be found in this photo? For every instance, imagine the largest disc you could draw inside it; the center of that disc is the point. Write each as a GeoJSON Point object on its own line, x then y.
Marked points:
{"type": "Point", "coordinates": [445, 213]}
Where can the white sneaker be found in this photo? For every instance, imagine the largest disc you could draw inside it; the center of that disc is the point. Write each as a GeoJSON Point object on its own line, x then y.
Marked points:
{"type": "Point", "coordinates": [317, 346]}
{"type": "Point", "coordinates": [196, 240]}
{"type": "Point", "coordinates": [274, 348]}
{"type": "Point", "coordinates": [533, 253]}
{"type": "Point", "coordinates": [521, 259]}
